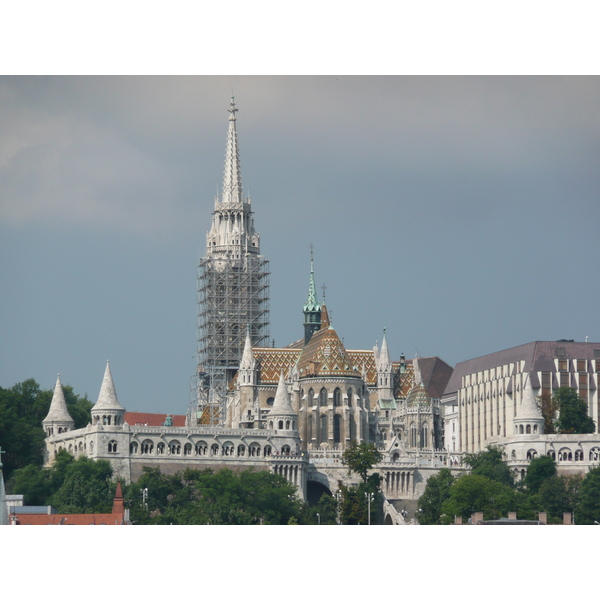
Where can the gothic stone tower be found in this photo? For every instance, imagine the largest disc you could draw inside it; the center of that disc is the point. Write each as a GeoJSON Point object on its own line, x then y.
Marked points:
{"type": "Point", "coordinates": [233, 286]}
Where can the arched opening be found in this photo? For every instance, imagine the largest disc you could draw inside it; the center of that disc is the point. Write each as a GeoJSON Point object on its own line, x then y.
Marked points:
{"type": "Point", "coordinates": [314, 491]}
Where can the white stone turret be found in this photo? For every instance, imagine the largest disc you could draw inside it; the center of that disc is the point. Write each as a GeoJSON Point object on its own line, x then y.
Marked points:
{"type": "Point", "coordinates": [385, 377]}
{"type": "Point", "coordinates": [58, 419]}
{"type": "Point", "coordinates": [107, 410]}
{"type": "Point", "coordinates": [247, 371]}
{"type": "Point", "coordinates": [529, 419]}
{"type": "Point", "coordinates": [282, 414]}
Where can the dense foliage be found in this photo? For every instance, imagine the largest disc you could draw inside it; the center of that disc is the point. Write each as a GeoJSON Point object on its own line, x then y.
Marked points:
{"type": "Point", "coordinates": [354, 509]}
{"type": "Point", "coordinates": [71, 485]}
{"type": "Point", "coordinates": [572, 412]}
{"type": "Point", "coordinates": [22, 409]}
{"type": "Point", "coordinates": [486, 490]}
{"type": "Point", "coordinates": [204, 497]}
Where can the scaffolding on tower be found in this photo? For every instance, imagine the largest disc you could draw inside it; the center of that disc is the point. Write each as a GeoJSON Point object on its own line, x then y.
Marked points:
{"type": "Point", "coordinates": [233, 296]}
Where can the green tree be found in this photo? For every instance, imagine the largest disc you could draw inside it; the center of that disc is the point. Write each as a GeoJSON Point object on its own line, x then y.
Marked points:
{"type": "Point", "coordinates": [540, 468]}
{"type": "Point", "coordinates": [326, 508]}
{"type": "Point", "coordinates": [22, 409]}
{"type": "Point", "coordinates": [472, 493]}
{"type": "Point", "coordinates": [360, 458]}
{"type": "Point", "coordinates": [573, 417]}
{"type": "Point", "coordinates": [490, 464]}
{"type": "Point", "coordinates": [588, 511]}
{"type": "Point", "coordinates": [222, 498]}
{"type": "Point", "coordinates": [437, 491]}
{"type": "Point", "coordinates": [548, 406]}
{"type": "Point", "coordinates": [87, 487]}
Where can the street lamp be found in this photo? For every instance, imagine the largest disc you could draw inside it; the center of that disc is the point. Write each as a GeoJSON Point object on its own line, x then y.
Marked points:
{"type": "Point", "coordinates": [338, 496]}
{"type": "Point", "coordinates": [319, 519]}
{"type": "Point", "coordinates": [369, 496]}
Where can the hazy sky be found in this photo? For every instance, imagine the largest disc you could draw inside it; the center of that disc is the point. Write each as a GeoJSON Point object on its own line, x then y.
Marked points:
{"type": "Point", "coordinates": [462, 213]}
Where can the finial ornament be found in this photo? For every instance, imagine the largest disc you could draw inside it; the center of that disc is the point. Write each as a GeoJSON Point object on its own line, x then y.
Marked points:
{"type": "Point", "coordinates": [232, 109]}
{"type": "Point", "coordinates": [323, 287]}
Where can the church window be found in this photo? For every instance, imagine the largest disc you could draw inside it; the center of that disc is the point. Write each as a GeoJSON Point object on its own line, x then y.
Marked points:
{"type": "Point", "coordinates": [349, 396]}
{"type": "Point", "coordinates": [174, 447]}
{"type": "Point", "coordinates": [337, 397]}
{"type": "Point", "coordinates": [285, 450]}
{"type": "Point", "coordinates": [287, 424]}
{"type": "Point", "coordinates": [311, 397]}
{"type": "Point", "coordinates": [528, 429]}
{"type": "Point", "coordinates": [201, 448]}
{"type": "Point", "coordinates": [112, 446]}
{"type": "Point", "coordinates": [160, 449]}
{"type": "Point", "coordinates": [337, 429]}
{"type": "Point", "coordinates": [227, 449]}
{"type": "Point", "coordinates": [323, 397]}
{"type": "Point", "coordinates": [280, 426]}
{"type": "Point", "coordinates": [413, 435]}
{"type": "Point", "coordinates": [323, 429]}
{"type": "Point", "coordinates": [310, 428]}
{"type": "Point", "coordinates": [133, 447]}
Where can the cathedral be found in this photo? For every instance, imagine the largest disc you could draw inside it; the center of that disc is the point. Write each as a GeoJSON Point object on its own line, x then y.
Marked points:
{"type": "Point", "coordinates": [294, 410]}
{"type": "Point", "coordinates": [290, 410]}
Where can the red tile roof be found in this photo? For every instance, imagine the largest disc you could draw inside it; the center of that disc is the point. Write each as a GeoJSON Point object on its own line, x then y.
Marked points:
{"type": "Point", "coordinates": [152, 419]}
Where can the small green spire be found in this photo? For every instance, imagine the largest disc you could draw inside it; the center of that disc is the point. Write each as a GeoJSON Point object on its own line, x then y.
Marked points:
{"type": "Point", "coordinates": [312, 305]}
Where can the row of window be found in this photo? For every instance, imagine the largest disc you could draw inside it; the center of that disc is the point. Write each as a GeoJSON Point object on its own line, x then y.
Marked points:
{"type": "Point", "coordinates": [564, 455]}
{"type": "Point", "coordinates": [323, 398]}
{"type": "Point", "coordinates": [175, 448]}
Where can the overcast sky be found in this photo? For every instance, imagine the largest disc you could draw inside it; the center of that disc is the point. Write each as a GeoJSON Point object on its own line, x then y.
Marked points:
{"type": "Point", "coordinates": [462, 213]}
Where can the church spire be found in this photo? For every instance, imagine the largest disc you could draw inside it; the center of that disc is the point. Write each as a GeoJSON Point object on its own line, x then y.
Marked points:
{"type": "Point", "coordinates": [312, 308]}
{"type": "Point", "coordinates": [232, 179]}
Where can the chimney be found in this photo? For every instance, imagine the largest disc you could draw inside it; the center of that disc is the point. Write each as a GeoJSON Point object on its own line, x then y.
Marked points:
{"type": "Point", "coordinates": [512, 516]}
{"type": "Point", "coordinates": [476, 517]}
{"type": "Point", "coordinates": [543, 518]}
{"type": "Point", "coordinates": [567, 519]}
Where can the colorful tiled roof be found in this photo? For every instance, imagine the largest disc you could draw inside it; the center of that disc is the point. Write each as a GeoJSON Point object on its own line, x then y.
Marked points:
{"type": "Point", "coordinates": [325, 355]}
{"type": "Point", "coordinates": [272, 361]}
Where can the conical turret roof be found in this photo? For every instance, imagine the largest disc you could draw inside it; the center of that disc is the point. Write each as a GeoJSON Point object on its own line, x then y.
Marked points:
{"type": "Point", "coordinates": [107, 399]}
{"type": "Point", "coordinates": [248, 360]}
{"type": "Point", "coordinates": [384, 362]}
{"type": "Point", "coordinates": [3, 504]}
{"type": "Point", "coordinates": [528, 408]}
{"type": "Point", "coordinates": [282, 405]}
{"type": "Point", "coordinates": [58, 407]}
